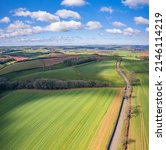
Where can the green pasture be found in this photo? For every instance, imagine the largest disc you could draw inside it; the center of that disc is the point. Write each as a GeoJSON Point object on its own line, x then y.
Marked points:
{"type": "Point", "coordinates": [102, 70]}
{"type": "Point", "coordinates": [137, 66]}
{"type": "Point", "coordinates": [16, 75]}
{"type": "Point", "coordinates": [21, 66]}
{"type": "Point", "coordinates": [36, 50]}
{"type": "Point", "coordinates": [31, 53]}
{"type": "Point", "coordinates": [52, 120]}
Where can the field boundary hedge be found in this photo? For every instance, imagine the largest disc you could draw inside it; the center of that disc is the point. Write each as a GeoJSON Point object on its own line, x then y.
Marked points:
{"type": "Point", "coordinates": [49, 84]}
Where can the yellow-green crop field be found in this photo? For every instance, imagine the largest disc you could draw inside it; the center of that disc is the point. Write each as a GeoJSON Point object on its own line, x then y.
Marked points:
{"type": "Point", "coordinates": [70, 119]}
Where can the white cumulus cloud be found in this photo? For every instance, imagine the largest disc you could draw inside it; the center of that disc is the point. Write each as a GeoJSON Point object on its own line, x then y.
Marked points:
{"type": "Point", "coordinates": [19, 28]}
{"type": "Point", "coordinates": [68, 14]}
{"type": "Point", "coordinates": [135, 3]}
{"type": "Point", "coordinates": [17, 25]}
{"type": "Point", "coordinates": [64, 26]}
{"type": "Point", "coordinates": [73, 2]}
{"type": "Point", "coordinates": [130, 31]}
{"type": "Point", "coordinates": [93, 25]}
{"type": "Point", "coordinates": [114, 31]}
{"type": "Point", "coordinates": [106, 9]}
{"type": "Point", "coordinates": [126, 31]}
{"type": "Point", "coordinates": [141, 20]}
{"type": "Point", "coordinates": [37, 15]}
{"type": "Point", "coordinates": [5, 20]}
{"type": "Point", "coordinates": [118, 24]}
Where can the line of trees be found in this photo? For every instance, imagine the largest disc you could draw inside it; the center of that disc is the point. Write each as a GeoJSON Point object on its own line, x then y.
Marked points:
{"type": "Point", "coordinates": [49, 84]}
{"type": "Point", "coordinates": [77, 61]}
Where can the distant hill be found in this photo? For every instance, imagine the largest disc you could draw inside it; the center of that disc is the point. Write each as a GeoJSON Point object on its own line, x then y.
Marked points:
{"type": "Point", "coordinates": [81, 47]}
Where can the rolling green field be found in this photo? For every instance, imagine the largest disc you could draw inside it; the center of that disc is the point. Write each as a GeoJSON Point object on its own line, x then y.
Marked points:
{"type": "Point", "coordinates": [103, 71]}
{"type": "Point", "coordinates": [53, 120]}
{"type": "Point", "coordinates": [123, 53]}
{"type": "Point", "coordinates": [137, 66]}
{"type": "Point", "coordinates": [139, 124]}
{"type": "Point", "coordinates": [126, 54]}
{"type": "Point", "coordinates": [22, 66]}
{"type": "Point", "coordinates": [16, 75]}
{"type": "Point", "coordinates": [39, 64]}
{"type": "Point", "coordinates": [30, 53]}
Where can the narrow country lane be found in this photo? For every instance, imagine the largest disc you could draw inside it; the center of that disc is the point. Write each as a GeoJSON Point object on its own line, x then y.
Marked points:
{"type": "Point", "coordinates": [113, 144]}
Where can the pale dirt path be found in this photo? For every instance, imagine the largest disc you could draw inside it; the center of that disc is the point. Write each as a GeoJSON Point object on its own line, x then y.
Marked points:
{"type": "Point", "coordinates": [113, 145]}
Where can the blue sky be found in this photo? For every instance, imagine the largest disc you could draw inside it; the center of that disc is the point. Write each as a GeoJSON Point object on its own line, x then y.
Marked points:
{"type": "Point", "coordinates": [73, 22]}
